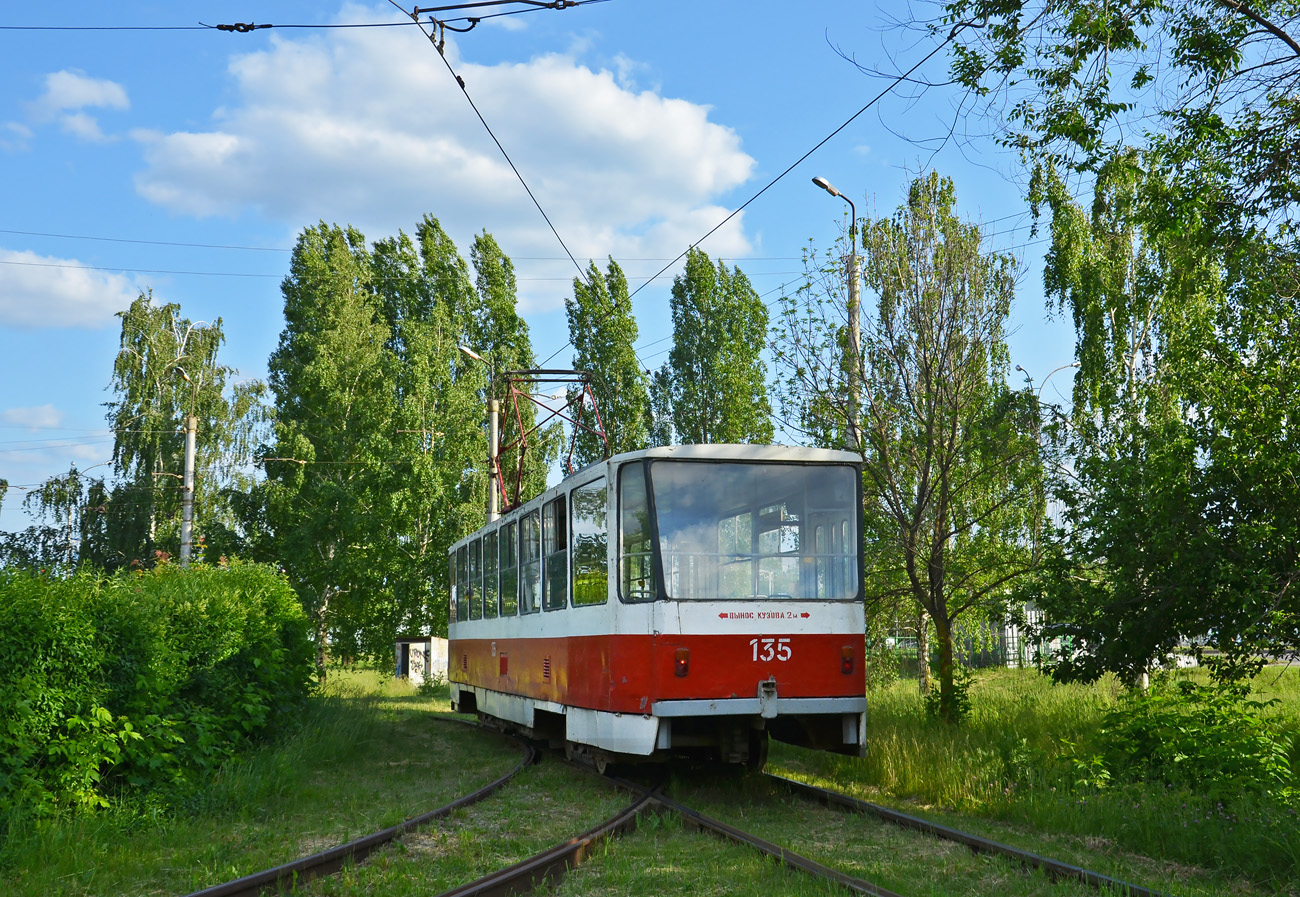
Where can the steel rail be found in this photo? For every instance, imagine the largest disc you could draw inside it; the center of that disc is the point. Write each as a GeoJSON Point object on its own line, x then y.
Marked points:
{"type": "Point", "coordinates": [1054, 868]}
{"type": "Point", "coordinates": [550, 865]}
{"type": "Point", "coordinates": [286, 876]}
{"type": "Point", "coordinates": [786, 857]}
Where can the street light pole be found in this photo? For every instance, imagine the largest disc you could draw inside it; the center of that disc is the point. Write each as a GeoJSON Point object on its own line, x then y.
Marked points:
{"type": "Point", "coordinates": [187, 483]}
{"type": "Point", "coordinates": [855, 334]}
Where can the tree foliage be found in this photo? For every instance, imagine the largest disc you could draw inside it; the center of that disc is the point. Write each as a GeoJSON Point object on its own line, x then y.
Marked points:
{"type": "Point", "coordinates": [1179, 507]}
{"type": "Point", "coordinates": [379, 457]}
{"type": "Point", "coordinates": [715, 378]}
{"type": "Point", "coordinates": [950, 454]}
{"type": "Point", "coordinates": [166, 368]}
{"type": "Point", "coordinates": [1209, 84]}
{"type": "Point", "coordinates": [603, 332]}
{"type": "Point", "coordinates": [1180, 121]}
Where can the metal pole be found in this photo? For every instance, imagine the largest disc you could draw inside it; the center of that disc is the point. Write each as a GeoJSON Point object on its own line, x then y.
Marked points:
{"type": "Point", "coordinates": [187, 491]}
{"type": "Point", "coordinates": [855, 335]}
{"type": "Point", "coordinates": [494, 450]}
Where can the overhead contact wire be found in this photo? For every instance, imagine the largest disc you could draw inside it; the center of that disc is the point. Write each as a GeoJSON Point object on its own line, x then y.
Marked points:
{"type": "Point", "coordinates": [952, 34]}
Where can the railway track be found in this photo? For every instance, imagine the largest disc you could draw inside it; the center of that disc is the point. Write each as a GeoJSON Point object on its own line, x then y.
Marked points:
{"type": "Point", "coordinates": [327, 862]}
{"type": "Point", "coordinates": [550, 865]}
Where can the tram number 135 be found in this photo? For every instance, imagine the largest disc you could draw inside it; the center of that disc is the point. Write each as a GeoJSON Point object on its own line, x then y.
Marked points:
{"type": "Point", "coordinates": [770, 648]}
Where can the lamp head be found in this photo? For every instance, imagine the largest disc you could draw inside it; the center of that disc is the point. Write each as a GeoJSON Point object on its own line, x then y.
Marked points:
{"type": "Point", "coordinates": [826, 185]}
{"type": "Point", "coordinates": [472, 354]}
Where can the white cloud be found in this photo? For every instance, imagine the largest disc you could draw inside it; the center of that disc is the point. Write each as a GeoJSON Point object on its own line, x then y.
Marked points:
{"type": "Point", "coordinates": [41, 417]}
{"type": "Point", "coordinates": [84, 126]}
{"type": "Point", "coordinates": [14, 136]}
{"type": "Point", "coordinates": [69, 90]}
{"type": "Point", "coordinates": [366, 126]}
{"type": "Point", "coordinates": [39, 291]}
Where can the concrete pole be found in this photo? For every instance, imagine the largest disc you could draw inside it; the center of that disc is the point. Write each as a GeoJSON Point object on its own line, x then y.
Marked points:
{"type": "Point", "coordinates": [494, 450]}
{"type": "Point", "coordinates": [187, 491]}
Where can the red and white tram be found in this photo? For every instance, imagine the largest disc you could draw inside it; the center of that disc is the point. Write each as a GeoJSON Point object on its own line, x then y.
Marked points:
{"type": "Point", "coordinates": [675, 600]}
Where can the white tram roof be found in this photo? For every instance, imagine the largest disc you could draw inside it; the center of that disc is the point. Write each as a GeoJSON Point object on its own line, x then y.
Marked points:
{"type": "Point", "coordinates": [744, 452]}
{"type": "Point", "coordinates": [787, 454]}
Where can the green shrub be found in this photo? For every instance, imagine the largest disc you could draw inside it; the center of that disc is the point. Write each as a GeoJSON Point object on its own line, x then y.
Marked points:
{"type": "Point", "coordinates": [141, 680]}
{"type": "Point", "coordinates": [1210, 739]}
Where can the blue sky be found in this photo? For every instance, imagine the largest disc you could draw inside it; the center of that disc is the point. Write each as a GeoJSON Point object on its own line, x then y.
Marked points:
{"type": "Point", "coordinates": [638, 123]}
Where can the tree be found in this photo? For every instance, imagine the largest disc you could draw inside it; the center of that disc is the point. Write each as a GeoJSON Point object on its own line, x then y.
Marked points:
{"type": "Point", "coordinates": [603, 332]}
{"type": "Point", "coordinates": [379, 458]}
{"type": "Point", "coordinates": [951, 453]}
{"type": "Point", "coordinates": [65, 507]}
{"type": "Point", "coordinates": [715, 375]}
{"type": "Point", "coordinates": [1179, 511]}
{"type": "Point", "coordinates": [1208, 84]}
{"type": "Point", "coordinates": [167, 367]}
{"type": "Point", "coordinates": [1180, 121]}
{"type": "Point", "coordinates": [500, 335]}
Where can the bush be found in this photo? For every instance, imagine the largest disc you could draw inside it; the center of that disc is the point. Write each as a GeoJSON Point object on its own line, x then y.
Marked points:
{"type": "Point", "coordinates": [1209, 739]}
{"type": "Point", "coordinates": [141, 680]}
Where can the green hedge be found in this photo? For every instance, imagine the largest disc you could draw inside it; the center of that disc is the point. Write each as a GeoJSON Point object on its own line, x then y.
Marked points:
{"type": "Point", "coordinates": [140, 680]}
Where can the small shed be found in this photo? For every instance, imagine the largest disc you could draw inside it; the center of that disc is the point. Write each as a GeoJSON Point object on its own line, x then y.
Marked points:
{"type": "Point", "coordinates": [421, 658]}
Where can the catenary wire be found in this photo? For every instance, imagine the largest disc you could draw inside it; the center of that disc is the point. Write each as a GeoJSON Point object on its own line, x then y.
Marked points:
{"type": "Point", "coordinates": [951, 35]}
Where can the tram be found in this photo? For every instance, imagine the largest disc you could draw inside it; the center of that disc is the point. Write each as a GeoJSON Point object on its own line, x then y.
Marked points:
{"type": "Point", "coordinates": [678, 600]}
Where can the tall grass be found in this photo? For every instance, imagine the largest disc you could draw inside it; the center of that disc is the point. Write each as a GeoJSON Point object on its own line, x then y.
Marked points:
{"type": "Point", "coordinates": [1024, 757]}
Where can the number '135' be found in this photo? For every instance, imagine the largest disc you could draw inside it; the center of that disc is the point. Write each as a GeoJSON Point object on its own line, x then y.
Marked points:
{"type": "Point", "coordinates": [770, 648]}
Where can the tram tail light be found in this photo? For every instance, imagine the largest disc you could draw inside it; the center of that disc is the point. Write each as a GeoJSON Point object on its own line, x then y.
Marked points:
{"type": "Point", "coordinates": [682, 662]}
{"type": "Point", "coordinates": [846, 659]}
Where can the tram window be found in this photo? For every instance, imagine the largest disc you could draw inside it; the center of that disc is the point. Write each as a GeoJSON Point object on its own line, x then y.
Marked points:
{"type": "Point", "coordinates": [636, 548]}
{"type": "Point", "coordinates": [530, 563]}
{"type": "Point", "coordinates": [475, 580]}
{"type": "Point", "coordinates": [509, 569]}
{"type": "Point", "coordinates": [555, 554]}
{"type": "Point", "coordinates": [735, 530]}
{"type": "Point", "coordinates": [590, 544]}
{"type": "Point", "coordinates": [462, 583]}
{"type": "Point", "coordinates": [451, 587]}
{"type": "Point", "coordinates": [490, 575]}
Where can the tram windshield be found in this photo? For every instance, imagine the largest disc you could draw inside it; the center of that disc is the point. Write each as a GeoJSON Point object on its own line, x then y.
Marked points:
{"type": "Point", "coordinates": [757, 530]}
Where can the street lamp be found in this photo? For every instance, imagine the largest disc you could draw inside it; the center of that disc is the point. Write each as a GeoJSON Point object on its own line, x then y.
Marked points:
{"type": "Point", "coordinates": [855, 337]}
{"type": "Point", "coordinates": [494, 437]}
{"type": "Point", "coordinates": [187, 483]}
{"type": "Point", "coordinates": [1039, 393]}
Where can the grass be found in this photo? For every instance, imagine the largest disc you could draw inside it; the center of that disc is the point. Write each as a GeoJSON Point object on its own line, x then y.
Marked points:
{"type": "Point", "coordinates": [368, 754]}
{"type": "Point", "coordinates": [1008, 766]}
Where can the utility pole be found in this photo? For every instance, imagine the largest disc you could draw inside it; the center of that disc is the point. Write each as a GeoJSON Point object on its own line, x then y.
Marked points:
{"type": "Point", "coordinates": [853, 363]}
{"type": "Point", "coordinates": [494, 460]}
{"type": "Point", "coordinates": [187, 491]}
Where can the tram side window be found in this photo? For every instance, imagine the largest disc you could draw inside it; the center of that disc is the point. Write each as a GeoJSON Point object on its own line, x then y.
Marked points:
{"type": "Point", "coordinates": [590, 544]}
{"type": "Point", "coordinates": [490, 575]}
{"type": "Point", "coordinates": [530, 563]}
{"type": "Point", "coordinates": [636, 550]}
{"type": "Point", "coordinates": [555, 554]}
{"type": "Point", "coordinates": [509, 569]}
{"type": "Point", "coordinates": [462, 583]}
{"type": "Point", "coordinates": [475, 580]}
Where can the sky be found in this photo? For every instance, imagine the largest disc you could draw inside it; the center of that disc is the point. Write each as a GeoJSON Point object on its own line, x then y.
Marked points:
{"type": "Point", "coordinates": [141, 152]}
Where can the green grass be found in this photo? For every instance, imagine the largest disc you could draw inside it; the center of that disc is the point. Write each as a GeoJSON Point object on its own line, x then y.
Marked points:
{"type": "Point", "coordinates": [1008, 767]}
{"type": "Point", "coordinates": [366, 755]}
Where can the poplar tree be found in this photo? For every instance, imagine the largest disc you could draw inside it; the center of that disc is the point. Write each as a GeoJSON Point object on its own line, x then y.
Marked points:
{"type": "Point", "coordinates": [715, 375]}
{"type": "Point", "coordinates": [603, 332]}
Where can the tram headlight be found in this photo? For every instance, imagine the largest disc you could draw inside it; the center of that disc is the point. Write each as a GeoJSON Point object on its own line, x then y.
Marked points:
{"type": "Point", "coordinates": [846, 660]}
{"type": "Point", "coordinates": [682, 662]}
